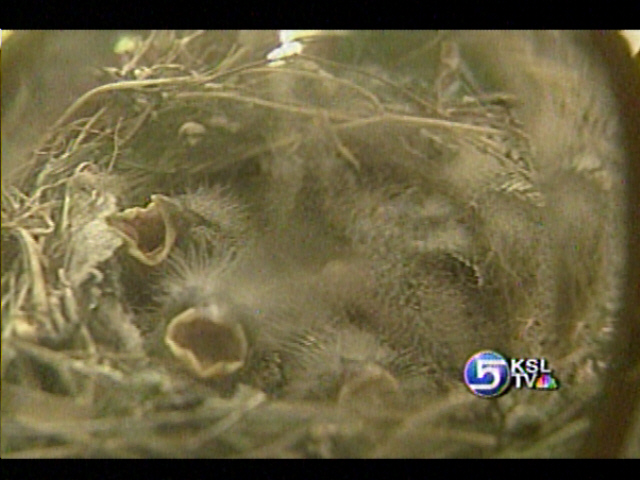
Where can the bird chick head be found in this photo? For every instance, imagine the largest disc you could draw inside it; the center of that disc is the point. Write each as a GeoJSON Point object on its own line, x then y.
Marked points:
{"type": "Point", "coordinates": [193, 277]}
{"type": "Point", "coordinates": [209, 341]}
{"type": "Point", "coordinates": [149, 233]}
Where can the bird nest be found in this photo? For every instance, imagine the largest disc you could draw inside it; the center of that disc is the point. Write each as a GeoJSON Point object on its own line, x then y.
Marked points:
{"type": "Point", "coordinates": [219, 253]}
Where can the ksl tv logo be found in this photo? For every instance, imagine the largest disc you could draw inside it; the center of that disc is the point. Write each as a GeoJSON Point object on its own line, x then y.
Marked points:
{"type": "Point", "coordinates": [489, 374]}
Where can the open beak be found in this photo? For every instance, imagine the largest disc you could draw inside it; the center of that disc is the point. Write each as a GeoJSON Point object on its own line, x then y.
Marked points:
{"type": "Point", "coordinates": [149, 233]}
{"type": "Point", "coordinates": [207, 344]}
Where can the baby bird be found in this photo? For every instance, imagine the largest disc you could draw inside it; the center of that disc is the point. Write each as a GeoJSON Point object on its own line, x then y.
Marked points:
{"type": "Point", "coordinates": [227, 310]}
{"type": "Point", "coordinates": [432, 302]}
{"type": "Point", "coordinates": [206, 216]}
{"type": "Point", "coordinates": [198, 321]}
{"type": "Point", "coordinates": [224, 309]}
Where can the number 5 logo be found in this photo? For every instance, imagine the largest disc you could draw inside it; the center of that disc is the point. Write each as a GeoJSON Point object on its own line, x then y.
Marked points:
{"type": "Point", "coordinates": [487, 374]}
{"type": "Point", "coordinates": [490, 367]}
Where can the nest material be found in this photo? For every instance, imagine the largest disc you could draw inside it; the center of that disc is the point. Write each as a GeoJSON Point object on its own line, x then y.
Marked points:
{"type": "Point", "coordinates": [405, 212]}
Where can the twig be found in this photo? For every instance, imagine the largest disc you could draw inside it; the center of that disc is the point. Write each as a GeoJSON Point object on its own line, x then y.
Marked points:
{"type": "Point", "coordinates": [130, 65]}
{"type": "Point", "coordinates": [548, 446]}
{"type": "Point", "coordinates": [119, 86]}
{"type": "Point", "coordinates": [418, 100]}
{"type": "Point", "coordinates": [34, 262]}
{"type": "Point", "coordinates": [226, 422]}
{"type": "Point", "coordinates": [87, 126]}
{"type": "Point", "coordinates": [62, 451]}
{"type": "Point", "coordinates": [350, 121]}
{"type": "Point", "coordinates": [116, 145]}
{"type": "Point", "coordinates": [375, 101]}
